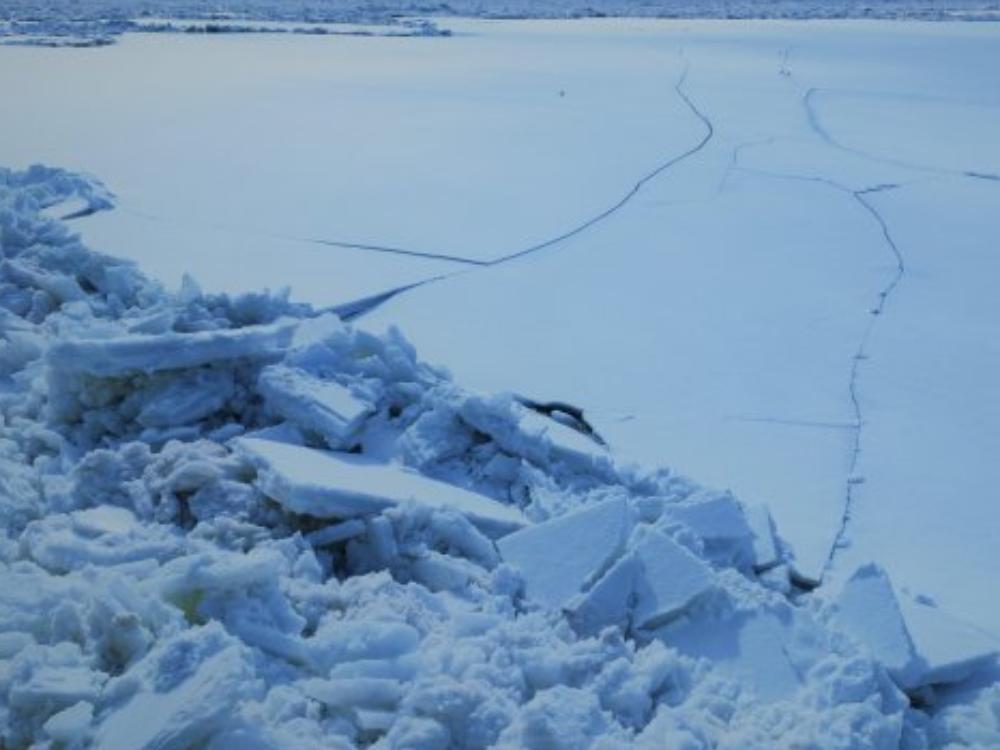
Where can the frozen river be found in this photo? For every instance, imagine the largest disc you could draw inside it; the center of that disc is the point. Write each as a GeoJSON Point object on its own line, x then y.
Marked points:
{"type": "Point", "coordinates": [764, 254]}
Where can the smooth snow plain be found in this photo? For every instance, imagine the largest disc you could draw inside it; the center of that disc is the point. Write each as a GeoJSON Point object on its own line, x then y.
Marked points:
{"type": "Point", "coordinates": [722, 319]}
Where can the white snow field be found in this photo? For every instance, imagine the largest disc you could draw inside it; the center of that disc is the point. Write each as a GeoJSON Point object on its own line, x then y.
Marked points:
{"type": "Point", "coordinates": [762, 254]}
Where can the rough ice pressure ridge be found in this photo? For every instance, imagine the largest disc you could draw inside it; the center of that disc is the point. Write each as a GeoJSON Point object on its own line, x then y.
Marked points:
{"type": "Point", "coordinates": [232, 522]}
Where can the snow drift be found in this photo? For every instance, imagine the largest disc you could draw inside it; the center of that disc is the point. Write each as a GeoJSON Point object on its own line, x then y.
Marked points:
{"type": "Point", "coordinates": [236, 522]}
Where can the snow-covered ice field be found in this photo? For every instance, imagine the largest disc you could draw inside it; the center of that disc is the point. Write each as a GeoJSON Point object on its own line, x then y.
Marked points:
{"type": "Point", "coordinates": [763, 254]}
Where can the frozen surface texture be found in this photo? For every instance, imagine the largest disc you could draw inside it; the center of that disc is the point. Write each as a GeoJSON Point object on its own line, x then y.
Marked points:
{"type": "Point", "coordinates": [239, 572]}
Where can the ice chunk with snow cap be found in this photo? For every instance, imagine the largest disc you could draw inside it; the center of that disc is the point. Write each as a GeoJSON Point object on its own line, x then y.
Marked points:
{"type": "Point", "coordinates": [321, 406]}
{"type": "Point", "coordinates": [340, 485]}
{"type": "Point", "coordinates": [561, 557]}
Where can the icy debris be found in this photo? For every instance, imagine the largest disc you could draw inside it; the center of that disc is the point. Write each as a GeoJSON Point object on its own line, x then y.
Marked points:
{"type": "Point", "coordinates": [322, 406]}
{"type": "Point", "coordinates": [561, 557]}
{"type": "Point", "coordinates": [330, 485]}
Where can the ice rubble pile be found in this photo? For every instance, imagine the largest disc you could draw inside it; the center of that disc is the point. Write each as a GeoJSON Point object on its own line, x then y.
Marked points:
{"type": "Point", "coordinates": [236, 523]}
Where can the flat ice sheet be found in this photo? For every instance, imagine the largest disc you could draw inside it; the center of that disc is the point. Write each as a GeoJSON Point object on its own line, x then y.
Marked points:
{"type": "Point", "coordinates": [438, 145]}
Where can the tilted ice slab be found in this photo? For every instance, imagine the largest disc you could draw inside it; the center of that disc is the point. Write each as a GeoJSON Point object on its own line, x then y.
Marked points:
{"type": "Point", "coordinates": [324, 406]}
{"type": "Point", "coordinates": [342, 485]}
{"type": "Point", "coordinates": [561, 557]}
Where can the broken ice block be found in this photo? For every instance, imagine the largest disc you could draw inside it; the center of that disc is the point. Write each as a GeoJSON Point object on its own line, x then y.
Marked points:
{"type": "Point", "coordinates": [669, 580]}
{"type": "Point", "coordinates": [561, 557]}
{"type": "Point", "coordinates": [719, 520]}
{"type": "Point", "coordinates": [322, 406]}
{"type": "Point", "coordinates": [607, 602]}
{"type": "Point", "coordinates": [168, 351]}
{"type": "Point", "coordinates": [867, 609]}
{"type": "Point", "coordinates": [339, 485]}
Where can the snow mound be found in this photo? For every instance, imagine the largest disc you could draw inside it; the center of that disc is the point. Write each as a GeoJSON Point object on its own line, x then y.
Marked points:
{"type": "Point", "coordinates": [232, 522]}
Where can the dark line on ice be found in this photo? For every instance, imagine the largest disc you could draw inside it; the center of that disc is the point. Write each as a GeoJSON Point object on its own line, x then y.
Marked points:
{"type": "Point", "coordinates": [624, 200]}
{"type": "Point", "coordinates": [397, 251]}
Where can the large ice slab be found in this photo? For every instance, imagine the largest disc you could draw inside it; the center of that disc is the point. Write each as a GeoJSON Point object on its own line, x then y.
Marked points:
{"type": "Point", "coordinates": [169, 351]}
{"type": "Point", "coordinates": [561, 557]}
{"type": "Point", "coordinates": [340, 485]}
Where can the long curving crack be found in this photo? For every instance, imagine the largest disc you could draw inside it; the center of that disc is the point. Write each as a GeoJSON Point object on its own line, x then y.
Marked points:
{"type": "Point", "coordinates": [857, 423]}
{"type": "Point", "coordinates": [812, 116]}
{"type": "Point", "coordinates": [637, 187]}
{"type": "Point", "coordinates": [359, 308]}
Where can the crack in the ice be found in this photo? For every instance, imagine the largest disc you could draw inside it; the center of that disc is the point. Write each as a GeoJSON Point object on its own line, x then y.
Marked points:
{"type": "Point", "coordinates": [637, 187]}
{"type": "Point", "coordinates": [395, 251]}
{"type": "Point", "coordinates": [357, 308]}
{"type": "Point", "coordinates": [793, 422]}
{"type": "Point", "coordinates": [816, 126]}
{"type": "Point", "coordinates": [860, 354]}
{"type": "Point", "coordinates": [361, 307]}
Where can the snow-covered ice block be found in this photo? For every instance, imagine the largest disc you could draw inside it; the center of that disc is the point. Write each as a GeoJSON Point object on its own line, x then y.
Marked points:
{"type": "Point", "coordinates": [563, 556]}
{"type": "Point", "coordinates": [867, 609]}
{"type": "Point", "coordinates": [168, 351]}
{"type": "Point", "coordinates": [189, 685]}
{"type": "Point", "coordinates": [322, 406]}
{"type": "Point", "coordinates": [565, 442]}
{"type": "Point", "coordinates": [719, 520]}
{"type": "Point", "coordinates": [950, 650]}
{"type": "Point", "coordinates": [534, 436]}
{"type": "Point", "coordinates": [332, 485]}
{"type": "Point", "coordinates": [670, 579]}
